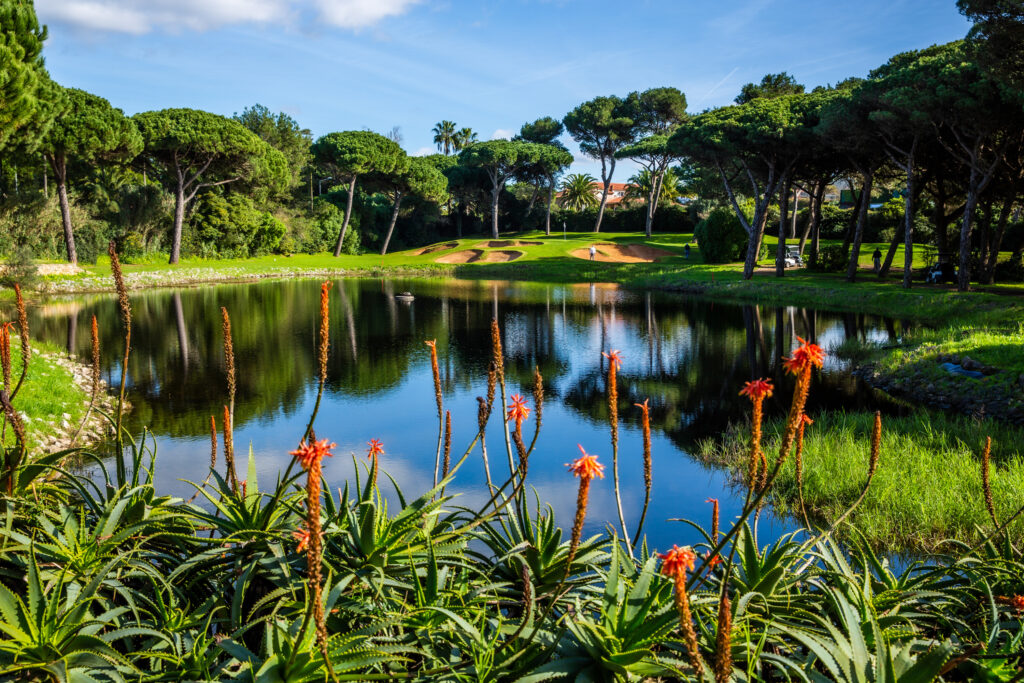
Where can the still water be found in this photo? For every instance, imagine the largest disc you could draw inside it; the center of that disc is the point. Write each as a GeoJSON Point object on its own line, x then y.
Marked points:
{"type": "Point", "coordinates": [688, 356]}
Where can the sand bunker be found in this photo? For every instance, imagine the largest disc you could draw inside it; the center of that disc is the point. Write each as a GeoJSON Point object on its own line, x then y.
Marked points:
{"type": "Point", "coordinates": [435, 247]}
{"type": "Point", "coordinates": [480, 256]}
{"type": "Point", "coordinates": [627, 253]}
{"type": "Point", "coordinates": [497, 244]}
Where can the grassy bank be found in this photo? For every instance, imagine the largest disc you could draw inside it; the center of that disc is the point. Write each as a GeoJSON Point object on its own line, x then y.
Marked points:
{"type": "Point", "coordinates": [52, 401]}
{"type": "Point", "coordinates": [928, 485]}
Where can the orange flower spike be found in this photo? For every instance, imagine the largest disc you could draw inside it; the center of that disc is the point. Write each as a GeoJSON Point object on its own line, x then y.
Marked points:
{"type": "Point", "coordinates": [302, 536]}
{"type": "Point", "coordinates": [759, 389]}
{"type": "Point", "coordinates": [677, 561]}
{"type": "Point", "coordinates": [519, 410]}
{"type": "Point", "coordinates": [376, 448]}
{"type": "Point", "coordinates": [805, 356]}
{"type": "Point", "coordinates": [313, 452]}
{"type": "Point", "coordinates": [586, 467]}
{"type": "Point", "coordinates": [1017, 602]}
{"type": "Point", "coordinates": [614, 358]}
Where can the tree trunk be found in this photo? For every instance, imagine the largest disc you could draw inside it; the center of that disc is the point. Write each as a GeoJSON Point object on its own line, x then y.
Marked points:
{"type": "Point", "coordinates": [458, 220]}
{"type": "Point", "coordinates": [909, 209]}
{"type": "Point", "coordinates": [754, 239]}
{"type": "Point", "coordinates": [179, 218]}
{"type": "Point", "coordinates": [391, 225]}
{"type": "Point", "coordinates": [46, 184]}
{"type": "Point", "coordinates": [348, 215]}
{"type": "Point", "coordinates": [815, 226]}
{"type": "Point", "coordinates": [817, 190]}
{"type": "Point", "coordinates": [851, 226]}
{"type": "Point", "coordinates": [862, 221]}
{"type": "Point", "coordinates": [780, 251]}
{"type": "Point", "coordinates": [792, 217]}
{"type": "Point", "coordinates": [533, 199]}
{"type": "Point", "coordinates": [60, 174]}
{"type": "Point", "coordinates": [989, 263]}
{"type": "Point", "coordinates": [551, 199]}
{"type": "Point", "coordinates": [890, 253]}
{"type": "Point", "coordinates": [964, 276]}
{"type": "Point", "coordinates": [495, 195]}
{"type": "Point", "coordinates": [606, 179]}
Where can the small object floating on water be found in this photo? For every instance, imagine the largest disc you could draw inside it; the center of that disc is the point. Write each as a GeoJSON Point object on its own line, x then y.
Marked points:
{"type": "Point", "coordinates": [404, 296]}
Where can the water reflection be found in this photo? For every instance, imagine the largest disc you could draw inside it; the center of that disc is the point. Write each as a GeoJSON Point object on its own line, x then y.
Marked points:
{"type": "Point", "coordinates": [689, 357]}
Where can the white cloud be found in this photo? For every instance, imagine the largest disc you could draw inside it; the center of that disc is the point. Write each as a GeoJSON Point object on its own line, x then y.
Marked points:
{"type": "Point", "coordinates": [360, 13]}
{"type": "Point", "coordinates": [502, 134]}
{"type": "Point", "coordinates": [139, 17]}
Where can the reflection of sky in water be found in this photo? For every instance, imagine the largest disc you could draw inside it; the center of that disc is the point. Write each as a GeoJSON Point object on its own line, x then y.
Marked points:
{"type": "Point", "coordinates": [670, 348]}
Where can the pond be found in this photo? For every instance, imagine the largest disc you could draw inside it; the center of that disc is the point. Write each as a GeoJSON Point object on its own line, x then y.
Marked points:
{"type": "Point", "coordinates": [688, 356]}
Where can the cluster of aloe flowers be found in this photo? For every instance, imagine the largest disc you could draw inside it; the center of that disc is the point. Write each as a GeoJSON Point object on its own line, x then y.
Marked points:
{"type": "Point", "coordinates": [111, 581]}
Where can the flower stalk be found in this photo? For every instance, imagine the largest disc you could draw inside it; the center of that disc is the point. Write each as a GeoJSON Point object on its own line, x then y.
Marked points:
{"type": "Point", "coordinates": [614, 363]}
{"type": "Point", "coordinates": [23, 337]}
{"type": "Point", "coordinates": [124, 304]}
{"type": "Point", "coordinates": [439, 399]}
{"type": "Point", "coordinates": [310, 455]}
{"type": "Point", "coordinates": [645, 426]}
{"type": "Point", "coordinates": [674, 564]}
{"type": "Point", "coordinates": [376, 450]}
{"type": "Point", "coordinates": [586, 468]}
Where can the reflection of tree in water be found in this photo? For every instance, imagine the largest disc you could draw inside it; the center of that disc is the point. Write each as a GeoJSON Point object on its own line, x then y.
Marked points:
{"type": "Point", "coordinates": [695, 395]}
{"type": "Point", "coordinates": [689, 357]}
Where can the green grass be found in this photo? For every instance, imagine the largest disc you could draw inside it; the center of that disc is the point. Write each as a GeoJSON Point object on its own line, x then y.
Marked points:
{"type": "Point", "coordinates": [48, 393]}
{"type": "Point", "coordinates": [927, 487]}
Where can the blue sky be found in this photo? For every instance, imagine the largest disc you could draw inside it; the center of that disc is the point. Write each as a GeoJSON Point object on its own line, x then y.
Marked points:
{"type": "Point", "coordinates": [487, 64]}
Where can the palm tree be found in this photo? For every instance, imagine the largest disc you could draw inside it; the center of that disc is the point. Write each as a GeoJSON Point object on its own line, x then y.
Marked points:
{"type": "Point", "coordinates": [640, 187]}
{"type": "Point", "coordinates": [464, 138]}
{"type": "Point", "coordinates": [444, 136]}
{"type": "Point", "coordinates": [578, 192]}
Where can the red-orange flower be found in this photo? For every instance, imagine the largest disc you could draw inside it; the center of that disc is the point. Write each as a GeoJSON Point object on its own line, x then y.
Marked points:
{"type": "Point", "coordinates": [586, 467]}
{"type": "Point", "coordinates": [677, 561]}
{"type": "Point", "coordinates": [312, 452]}
{"type": "Point", "coordinates": [614, 358]}
{"type": "Point", "coordinates": [302, 536]}
{"type": "Point", "coordinates": [714, 561]}
{"type": "Point", "coordinates": [758, 389]}
{"type": "Point", "coordinates": [1017, 602]}
{"type": "Point", "coordinates": [376, 448]}
{"type": "Point", "coordinates": [806, 420]}
{"type": "Point", "coordinates": [805, 356]}
{"type": "Point", "coordinates": [519, 410]}
{"type": "Point", "coordinates": [432, 343]}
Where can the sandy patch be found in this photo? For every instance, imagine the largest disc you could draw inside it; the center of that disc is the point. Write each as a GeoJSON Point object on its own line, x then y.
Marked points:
{"type": "Point", "coordinates": [498, 244]}
{"type": "Point", "coordinates": [435, 247]}
{"type": "Point", "coordinates": [480, 256]}
{"type": "Point", "coordinates": [627, 253]}
{"type": "Point", "coordinates": [58, 269]}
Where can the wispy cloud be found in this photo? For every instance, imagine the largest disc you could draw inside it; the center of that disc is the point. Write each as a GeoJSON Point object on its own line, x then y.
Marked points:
{"type": "Point", "coordinates": [502, 134]}
{"type": "Point", "coordinates": [173, 16]}
{"type": "Point", "coordinates": [716, 86]}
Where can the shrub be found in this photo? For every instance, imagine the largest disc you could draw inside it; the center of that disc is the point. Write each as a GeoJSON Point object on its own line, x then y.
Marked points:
{"type": "Point", "coordinates": [230, 226]}
{"type": "Point", "coordinates": [1011, 270]}
{"type": "Point", "coordinates": [834, 221]}
{"type": "Point", "coordinates": [831, 258]}
{"type": "Point", "coordinates": [721, 237]}
{"type": "Point", "coordinates": [19, 269]}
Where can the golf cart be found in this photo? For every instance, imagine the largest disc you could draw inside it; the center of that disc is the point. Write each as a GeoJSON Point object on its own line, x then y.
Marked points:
{"type": "Point", "coordinates": [940, 268]}
{"type": "Point", "coordinates": [793, 258]}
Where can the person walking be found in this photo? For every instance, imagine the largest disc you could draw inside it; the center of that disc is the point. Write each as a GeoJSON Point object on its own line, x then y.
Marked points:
{"type": "Point", "coordinates": [876, 258]}
{"type": "Point", "coordinates": [593, 252]}
{"type": "Point", "coordinates": [686, 250]}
